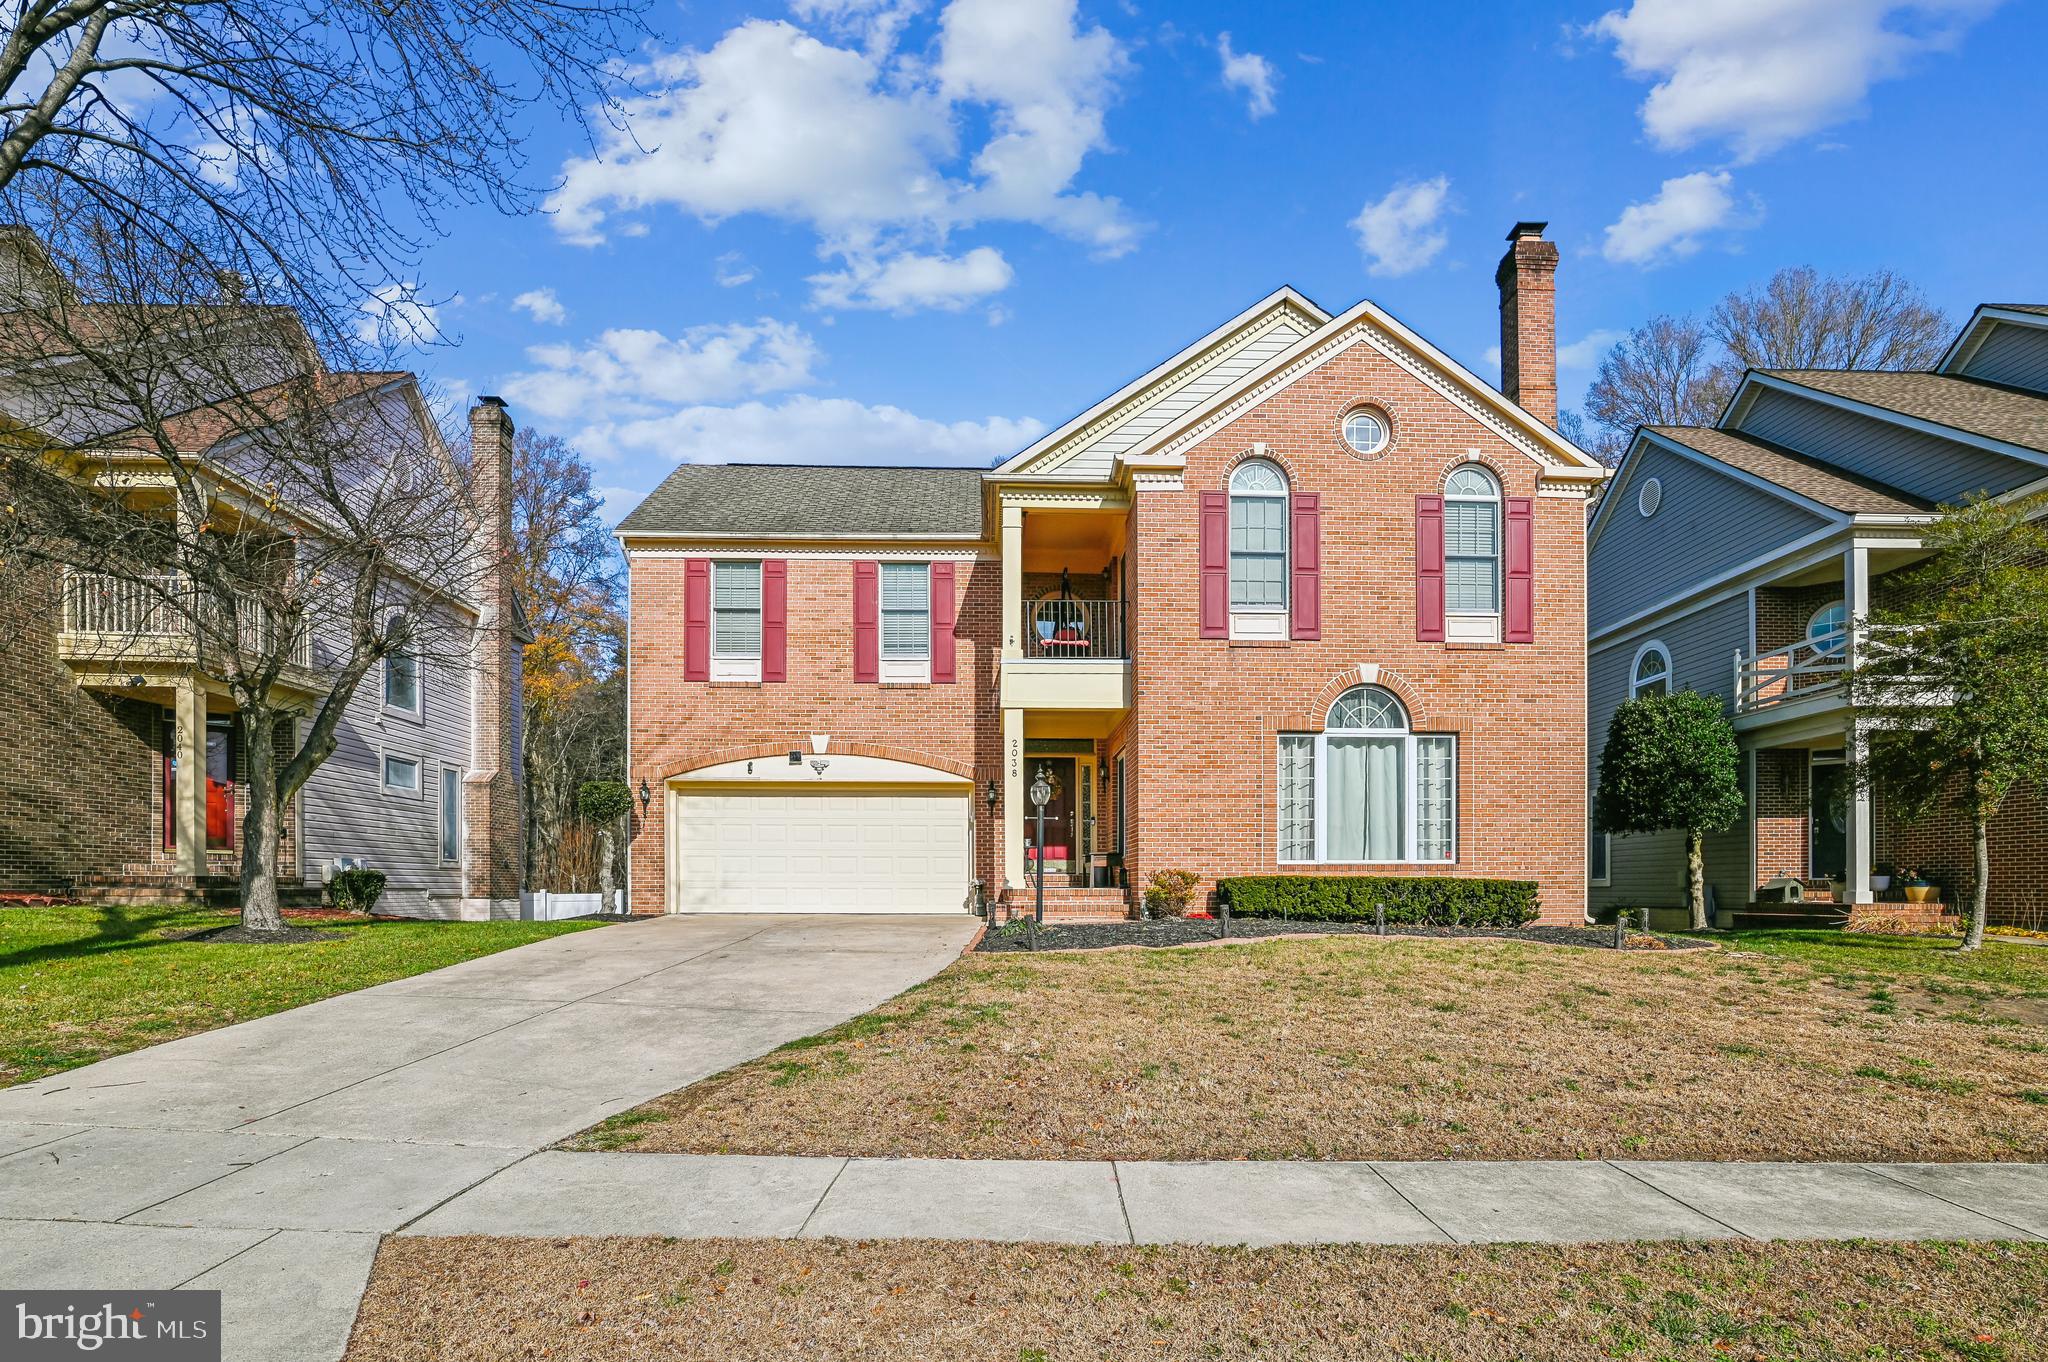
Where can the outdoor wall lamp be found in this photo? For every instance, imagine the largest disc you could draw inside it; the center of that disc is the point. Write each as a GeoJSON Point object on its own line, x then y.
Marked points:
{"type": "Point", "coordinates": [994, 794]}
{"type": "Point", "coordinates": [645, 795]}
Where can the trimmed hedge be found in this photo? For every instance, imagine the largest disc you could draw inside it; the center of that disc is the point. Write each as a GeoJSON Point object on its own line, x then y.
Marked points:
{"type": "Point", "coordinates": [357, 890]}
{"type": "Point", "coordinates": [1417, 900]}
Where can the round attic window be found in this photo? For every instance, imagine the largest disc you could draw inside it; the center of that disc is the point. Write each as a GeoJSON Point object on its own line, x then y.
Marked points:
{"type": "Point", "coordinates": [1367, 430]}
{"type": "Point", "coordinates": [1650, 498]}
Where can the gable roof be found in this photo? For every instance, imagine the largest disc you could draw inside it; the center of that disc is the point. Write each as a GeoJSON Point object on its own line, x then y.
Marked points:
{"type": "Point", "coordinates": [1965, 404]}
{"type": "Point", "coordinates": [809, 501]}
{"type": "Point", "coordinates": [1368, 323]}
{"type": "Point", "coordinates": [1837, 489]}
{"type": "Point", "coordinates": [1167, 389]}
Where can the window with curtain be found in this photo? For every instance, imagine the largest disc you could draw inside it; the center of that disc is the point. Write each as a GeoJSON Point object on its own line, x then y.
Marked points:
{"type": "Point", "coordinates": [735, 609]}
{"type": "Point", "coordinates": [1258, 537]}
{"type": "Point", "coordinates": [906, 610]}
{"type": "Point", "coordinates": [1471, 542]}
{"type": "Point", "coordinates": [1652, 674]}
{"type": "Point", "coordinates": [1367, 788]}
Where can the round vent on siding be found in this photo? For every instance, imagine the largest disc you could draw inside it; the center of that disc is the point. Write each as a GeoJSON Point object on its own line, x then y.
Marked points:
{"type": "Point", "coordinates": [1650, 498]}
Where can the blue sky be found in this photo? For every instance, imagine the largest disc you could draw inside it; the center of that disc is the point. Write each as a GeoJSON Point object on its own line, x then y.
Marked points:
{"type": "Point", "coordinates": [914, 232]}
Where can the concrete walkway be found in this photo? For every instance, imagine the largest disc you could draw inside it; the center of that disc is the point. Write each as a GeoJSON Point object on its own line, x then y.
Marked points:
{"type": "Point", "coordinates": [266, 1159]}
{"type": "Point", "coordinates": [691, 1196]}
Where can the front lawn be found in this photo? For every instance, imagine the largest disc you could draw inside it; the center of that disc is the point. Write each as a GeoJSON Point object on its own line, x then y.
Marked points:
{"type": "Point", "coordinates": [608, 1300]}
{"type": "Point", "coordinates": [1348, 1048]}
{"type": "Point", "coordinates": [79, 984]}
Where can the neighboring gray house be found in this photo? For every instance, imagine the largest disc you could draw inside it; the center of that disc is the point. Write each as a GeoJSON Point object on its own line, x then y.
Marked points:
{"type": "Point", "coordinates": [1736, 560]}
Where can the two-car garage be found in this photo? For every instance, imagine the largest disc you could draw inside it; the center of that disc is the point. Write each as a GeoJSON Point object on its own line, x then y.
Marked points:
{"type": "Point", "coordinates": [860, 835]}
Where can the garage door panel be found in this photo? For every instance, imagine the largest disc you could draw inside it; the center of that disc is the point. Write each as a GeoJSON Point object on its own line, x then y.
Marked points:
{"type": "Point", "coordinates": [770, 852]}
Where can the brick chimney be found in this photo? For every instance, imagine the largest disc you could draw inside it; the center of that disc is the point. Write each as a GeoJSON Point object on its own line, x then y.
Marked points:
{"type": "Point", "coordinates": [494, 818]}
{"type": "Point", "coordinates": [1528, 321]}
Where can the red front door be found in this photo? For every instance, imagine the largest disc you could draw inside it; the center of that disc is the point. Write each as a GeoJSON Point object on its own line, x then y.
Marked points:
{"type": "Point", "coordinates": [220, 784]}
{"type": "Point", "coordinates": [1060, 850]}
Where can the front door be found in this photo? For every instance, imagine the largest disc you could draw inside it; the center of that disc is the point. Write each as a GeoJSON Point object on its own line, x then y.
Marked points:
{"type": "Point", "coordinates": [220, 783]}
{"type": "Point", "coordinates": [1830, 821]}
{"type": "Point", "coordinates": [1062, 851]}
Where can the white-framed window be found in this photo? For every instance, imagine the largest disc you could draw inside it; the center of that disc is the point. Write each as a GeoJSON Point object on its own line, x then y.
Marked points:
{"type": "Point", "coordinates": [735, 620]}
{"type": "Point", "coordinates": [1367, 788]}
{"type": "Point", "coordinates": [451, 816]}
{"type": "Point", "coordinates": [1472, 586]}
{"type": "Point", "coordinates": [1367, 430]}
{"type": "Point", "coordinates": [402, 688]}
{"type": "Point", "coordinates": [906, 621]}
{"type": "Point", "coordinates": [1650, 673]}
{"type": "Point", "coordinates": [1258, 550]}
{"type": "Point", "coordinates": [1599, 857]}
{"type": "Point", "coordinates": [1828, 629]}
{"type": "Point", "coordinates": [401, 775]}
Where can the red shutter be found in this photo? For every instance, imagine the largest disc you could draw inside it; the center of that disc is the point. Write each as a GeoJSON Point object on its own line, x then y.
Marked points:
{"type": "Point", "coordinates": [696, 619]}
{"type": "Point", "coordinates": [1429, 569]}
{"type": "Point", "coordinates": [867, 622]}
{"type": "Point", "coordinates": [775, 620]}
{"type": "Point", "coordinates": [942, 623]}
{"type": "Point", "coordinates": [1214, 552]}
{"type": "Point", "coordinates": [1306, 596]}
{"type": "Point", "coordinates": [1518, 615]}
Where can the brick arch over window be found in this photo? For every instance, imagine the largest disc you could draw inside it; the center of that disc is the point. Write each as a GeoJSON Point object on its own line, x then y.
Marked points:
{"type": "Point", "coordinates": [1264, 453]}
{"type": "Point", "coordinates": [755, 751]}
{"type": "Point", "coordinates": [1465, 460]}
{"type": "Point", "coordinates": [1423, 714]}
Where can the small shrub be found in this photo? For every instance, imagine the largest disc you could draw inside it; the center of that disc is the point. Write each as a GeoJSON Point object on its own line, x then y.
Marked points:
{"type": "Point", "coordinates": [1169, 892]}
{"type": "Point", "coordinates": [1410, 900]}
{"type": "Point", "coordinates": [357, 891]}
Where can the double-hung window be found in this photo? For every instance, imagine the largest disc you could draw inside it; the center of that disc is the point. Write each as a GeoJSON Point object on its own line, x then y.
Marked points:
{"type": "Point", "coordinates": [1472, 585]}
{"type": "Point", "coordinates": [906, 621]}
{"type": "Point", "coordinates": [735, 621]}
{"type": "Point", "coordinates": [1367, 788]}
{"type": "Point", "coordinates": [1258, 550]}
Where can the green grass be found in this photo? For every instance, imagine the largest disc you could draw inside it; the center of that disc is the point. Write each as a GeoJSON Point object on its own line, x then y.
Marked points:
{"type": "Point", "coordinates": [1998, 966]}
{"type": "Point", "coordinates": [79, 984]}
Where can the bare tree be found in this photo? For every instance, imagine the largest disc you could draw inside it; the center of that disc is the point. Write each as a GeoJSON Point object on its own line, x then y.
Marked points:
{"type": "Point", "coordinates": [220, 504]}
{"type": "Point", "coordinates": [1682, 370]}
{"type": "Point", "coordinates": [309, 145]}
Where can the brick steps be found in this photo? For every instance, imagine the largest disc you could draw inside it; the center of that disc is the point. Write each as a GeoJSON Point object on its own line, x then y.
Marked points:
{"type": "Point", "coordinates": [199, 891]}
{"type": "Point", "coordinates": [1826, 916]}
{"type": "Point", "coordinates": [1065, 903]}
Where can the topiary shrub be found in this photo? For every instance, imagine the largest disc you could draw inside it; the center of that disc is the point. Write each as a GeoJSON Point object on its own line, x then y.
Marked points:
{"type": "Point", "coordinates": [1169, 892]}
{"type": "Point", "coordinates": [357, 891]}
{"type": "Point", "coordinates": [1410, 900]}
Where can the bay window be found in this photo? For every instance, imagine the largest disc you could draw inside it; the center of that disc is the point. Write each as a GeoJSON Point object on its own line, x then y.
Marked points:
{"type": "Point", "coordinates": [1367, 788]}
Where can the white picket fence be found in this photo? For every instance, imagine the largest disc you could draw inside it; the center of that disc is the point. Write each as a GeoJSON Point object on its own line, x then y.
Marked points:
{"type": "Point", "coordinates": [541, 906]}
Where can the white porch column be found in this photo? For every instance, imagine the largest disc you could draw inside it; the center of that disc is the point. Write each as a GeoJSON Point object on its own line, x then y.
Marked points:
{"type": "Point", "coordinates": [189, 750]}
{"type": "Point", "coordinates": [1013, 582]}
{"type": "Point", "coordinates": [1861, 832]}
{"type": "Point", "coordinates": [1013, 797]}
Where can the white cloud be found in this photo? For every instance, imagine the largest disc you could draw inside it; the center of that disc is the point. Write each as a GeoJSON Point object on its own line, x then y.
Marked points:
{"type": "Point", "coordinates": [1400, 233]}
{"type": "Point", "coordinates": [1761, 73]}
{"type": "Point", "coordinates": [542, 305]}
{"type": "Point", "coordinates": [1583, 353]}
{"type": "Point", "coordinates": [732, 270]}
{"type": "Point", "coordinates": [1251, 73]}
{"type": "Point", "coordinates": [806, 429]}
{"type": "Point", "coordinates": [877, 23]}
{"type": "Point", "coordinates": [909, 281]}
{"type": "Point", "coordinates": [627, 373]}
{"type": "Point", "coordinates": [394, 318]}
{"type": "Point", "coordinates": [865, 147]}
{"type": "Point", "coordinates": [1670, 225]}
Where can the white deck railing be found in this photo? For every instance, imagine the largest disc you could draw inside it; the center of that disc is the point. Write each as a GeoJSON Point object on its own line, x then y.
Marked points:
{"type": "Point", "coordinates": [1807, 667]}
{"type": "Point", "coordinates": [148, 613]}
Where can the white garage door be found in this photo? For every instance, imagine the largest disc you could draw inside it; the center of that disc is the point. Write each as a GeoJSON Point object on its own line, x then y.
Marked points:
{"type": "Point", "coordinates": [752, 851]}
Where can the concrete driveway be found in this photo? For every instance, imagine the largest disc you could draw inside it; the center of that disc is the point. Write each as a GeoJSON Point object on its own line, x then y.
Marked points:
{"type": "Point", "coordinates": [265, 1159]}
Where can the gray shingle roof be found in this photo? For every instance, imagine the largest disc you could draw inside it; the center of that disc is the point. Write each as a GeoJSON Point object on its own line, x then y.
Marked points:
{"type": "Point", "coordinates": [1960, 403]}
{"type": "Point", "coordinates": [1795, 472]}
{"type": "Point", "coordinates": [806, 500]}
{"type": "Point", "coordinates": [2039, 309]}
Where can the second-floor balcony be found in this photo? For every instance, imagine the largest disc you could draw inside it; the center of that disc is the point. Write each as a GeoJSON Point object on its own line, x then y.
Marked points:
{"type": "Point", "coordinates": [127, 625]}
{"type": "Point", "coordinates": [1061, 627]}
{"type": "Point", "coordinates": [1809, 668]}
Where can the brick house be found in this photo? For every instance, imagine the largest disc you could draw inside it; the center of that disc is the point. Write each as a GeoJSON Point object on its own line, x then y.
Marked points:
{"type": "Point", "coordinates": [119, 743]}
{"type": "Point", "coordinates": [1737, 559]}
{"type": "Point", "coordinates": [1308, 595]}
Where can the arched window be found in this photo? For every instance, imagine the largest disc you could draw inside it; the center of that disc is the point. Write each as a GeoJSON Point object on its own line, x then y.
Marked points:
{"type": "Point", "coordinates": [1471, 542]}
{"type": "Point", "coordinates": [1828, 630]}
{"type": "Point", "coordinates": [1258, 539]}
{"type": "Point", "coordinates": [1651, 673]}
{"type": "Point", "coordinates": [1367, 788]}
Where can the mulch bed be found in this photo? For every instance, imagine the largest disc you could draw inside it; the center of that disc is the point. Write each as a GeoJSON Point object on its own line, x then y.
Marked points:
{"type": "Point", "coordinates": [1095, 936]}
{"type": "Point", "coordinates": [242, 936]}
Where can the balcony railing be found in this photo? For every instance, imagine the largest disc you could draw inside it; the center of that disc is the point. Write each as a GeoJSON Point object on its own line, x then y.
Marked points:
{"type": "Point", "coordinates": [107, 617]}
{"type": "Point", "coordinates": [1075, 629]}
{"type": "Point", "coordinates": [1807, 667]}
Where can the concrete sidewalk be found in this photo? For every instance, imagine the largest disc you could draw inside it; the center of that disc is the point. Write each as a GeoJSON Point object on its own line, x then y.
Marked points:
{"type": "Point", "coordinates": [691, 1196]}
{"type": "Point", "coordinates": [267, 1158]}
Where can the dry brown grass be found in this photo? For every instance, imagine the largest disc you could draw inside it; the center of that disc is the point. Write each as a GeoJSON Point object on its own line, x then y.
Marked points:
{"type": "Point", "coordinates": [609, 1300]}
{"type": "Point", "coordinates": [1349, 1048]}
